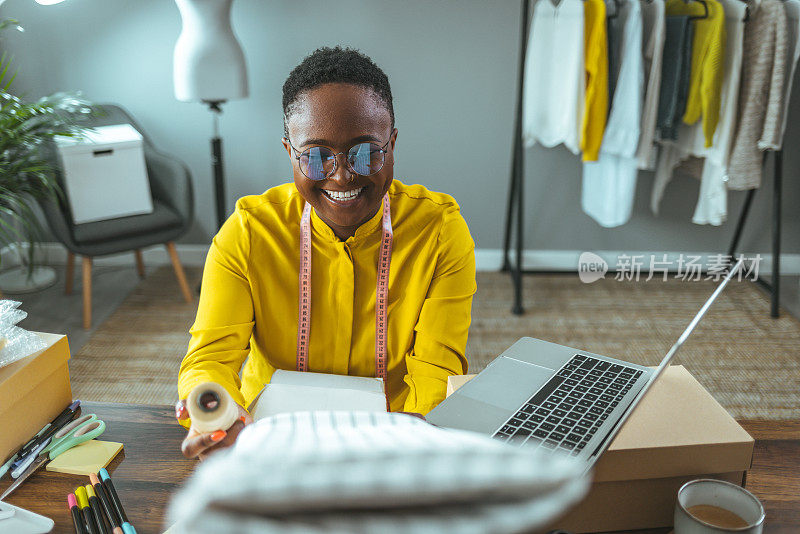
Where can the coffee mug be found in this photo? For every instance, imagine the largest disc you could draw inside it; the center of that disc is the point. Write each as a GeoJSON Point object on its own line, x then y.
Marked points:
{"type": "Point", "coordinates": [708, 506]}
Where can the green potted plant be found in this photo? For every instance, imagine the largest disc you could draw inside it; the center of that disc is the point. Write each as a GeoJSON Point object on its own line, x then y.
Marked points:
{"type": "Point", "coordinates": [25, 174]}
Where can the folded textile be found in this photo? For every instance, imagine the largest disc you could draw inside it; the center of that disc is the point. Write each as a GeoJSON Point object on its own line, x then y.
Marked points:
{"type": "Point", "coordinates": [373, 472]}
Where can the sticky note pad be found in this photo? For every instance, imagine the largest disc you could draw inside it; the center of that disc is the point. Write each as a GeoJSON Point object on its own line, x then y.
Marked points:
{"type": "Point", "coordinates": [86, 458]}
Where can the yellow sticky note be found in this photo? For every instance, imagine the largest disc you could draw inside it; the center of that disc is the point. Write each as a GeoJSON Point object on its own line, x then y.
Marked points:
{"type": "Point", "coordinates": [86, 458]}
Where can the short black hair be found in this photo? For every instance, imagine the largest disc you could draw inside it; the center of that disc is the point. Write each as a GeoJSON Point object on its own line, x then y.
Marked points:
{"type": "Point", "coordinates": [334, 65]}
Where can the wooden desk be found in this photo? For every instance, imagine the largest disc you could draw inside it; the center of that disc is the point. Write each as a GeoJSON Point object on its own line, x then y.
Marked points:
{"type": "Point", "coordinates": [145, 473]}
{"type": "Point", "coordinates": [151, 467]}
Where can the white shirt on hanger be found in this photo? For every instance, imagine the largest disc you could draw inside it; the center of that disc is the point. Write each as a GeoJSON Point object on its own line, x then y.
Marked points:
{"type": "Point", "coordinates": [609, 183]}
{"type": "Point", "coordinates": [653, 31]}
{"type": "Point", "coordinates": [554, 85]}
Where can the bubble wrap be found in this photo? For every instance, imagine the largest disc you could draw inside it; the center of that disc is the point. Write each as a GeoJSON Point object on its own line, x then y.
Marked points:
{"type": "Point", "coordinates": [16, 342]}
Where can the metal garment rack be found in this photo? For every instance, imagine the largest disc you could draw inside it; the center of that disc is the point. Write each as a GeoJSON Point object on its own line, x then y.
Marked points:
{"type": "Point", "coordinates": [777, 177]}
{"type": "Point", "coordinates": [515, 191]}
{"type": "Point", "coordinates": [516, 196]}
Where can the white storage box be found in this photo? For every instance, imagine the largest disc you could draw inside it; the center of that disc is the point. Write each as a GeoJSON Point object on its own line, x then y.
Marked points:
{"type": "Point", "coordinates": [105, 175]}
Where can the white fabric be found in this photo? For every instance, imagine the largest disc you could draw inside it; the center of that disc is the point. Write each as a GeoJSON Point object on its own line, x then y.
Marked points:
{"type": "Point", "coordinates": [653, 33]}
{"type": "Point", "coordinates": [793, 14]}
{"type": "Point", "coordinates": [609, 183]}
{"type": "Point", "coordinates": [712, 200]}
{"type": "Point", "coordinates": [555, 85]}
{"type": "Point", "coordinates": [374, 472]}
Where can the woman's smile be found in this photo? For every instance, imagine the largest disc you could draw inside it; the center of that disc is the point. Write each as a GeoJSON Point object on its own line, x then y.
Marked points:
{"type": "Point", "coordinates": [345, 199]}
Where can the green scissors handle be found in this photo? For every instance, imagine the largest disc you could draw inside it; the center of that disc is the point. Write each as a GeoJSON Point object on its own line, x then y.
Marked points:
{"type": "Point", "coordinates": [67, 431]}
{"type": "Point", "coordinates": [81, 432]}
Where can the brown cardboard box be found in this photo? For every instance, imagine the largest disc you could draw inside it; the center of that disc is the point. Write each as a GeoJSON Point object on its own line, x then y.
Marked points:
{"type": "Point", "coordinates": [676, 434]}
{"type": "Point", "coordinates": [33, 391]}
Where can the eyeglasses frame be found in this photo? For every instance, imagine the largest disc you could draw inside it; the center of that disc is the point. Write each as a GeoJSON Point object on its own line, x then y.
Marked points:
{"type": "Point", "coordinates": [383, 150]}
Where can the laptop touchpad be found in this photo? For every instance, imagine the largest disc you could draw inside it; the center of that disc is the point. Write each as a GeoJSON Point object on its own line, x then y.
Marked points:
{"type": "Point", "coordinates": [507, 383]}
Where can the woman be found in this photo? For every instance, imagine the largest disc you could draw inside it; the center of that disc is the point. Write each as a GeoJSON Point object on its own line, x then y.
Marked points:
{"type": "Point", "coordinates": [340, 137]}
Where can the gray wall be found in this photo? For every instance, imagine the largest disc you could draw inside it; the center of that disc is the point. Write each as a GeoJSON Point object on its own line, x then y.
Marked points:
{"type": "Point", "coordinates": [452, 65]}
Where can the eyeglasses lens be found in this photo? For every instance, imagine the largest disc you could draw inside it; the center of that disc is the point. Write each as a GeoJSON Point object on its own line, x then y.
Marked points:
{"type": "Point", "coordinates": [317, 163]}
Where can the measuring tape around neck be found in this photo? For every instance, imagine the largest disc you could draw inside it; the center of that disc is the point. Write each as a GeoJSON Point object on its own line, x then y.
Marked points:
{"type": "Point", "coordinates": [381, 291]}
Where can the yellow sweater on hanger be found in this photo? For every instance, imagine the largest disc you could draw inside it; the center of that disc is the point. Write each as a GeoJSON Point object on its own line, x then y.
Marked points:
{"type": "Point", "coordinates": [596, 65]}
{"type": "Point", "coordinates": [708, 59]}
{"type": "Point", "coordinates": [246, 325]}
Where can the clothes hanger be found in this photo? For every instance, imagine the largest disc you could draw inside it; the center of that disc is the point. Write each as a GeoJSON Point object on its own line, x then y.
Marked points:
{"type": "Point", "coordinates": [617, 4]}
{"type": "Point", "coordinates": [747, 10]}
{"type": "Point", "coordinates": [705, 8]}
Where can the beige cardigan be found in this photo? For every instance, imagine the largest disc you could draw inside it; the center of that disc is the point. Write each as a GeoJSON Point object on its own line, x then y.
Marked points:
{"type": "Point", "coordinates": [765, 65]}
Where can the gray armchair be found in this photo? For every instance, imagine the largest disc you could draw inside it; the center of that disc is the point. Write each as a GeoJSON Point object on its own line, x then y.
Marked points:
{"type": "Point", "coordinates": [173, 212]}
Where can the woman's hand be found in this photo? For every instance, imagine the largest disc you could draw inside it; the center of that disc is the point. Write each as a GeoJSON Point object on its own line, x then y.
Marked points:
{"type": "Point", "coordinates": [200, 445]}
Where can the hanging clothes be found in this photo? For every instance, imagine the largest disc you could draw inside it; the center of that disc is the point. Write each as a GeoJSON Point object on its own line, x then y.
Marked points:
{"type": "Point", "coordinates": [675, 76]}
{"type": "Point", "coordinates": [712, 201]}
{"type": "Point", "coordinates": [596, 65]}
{"type": "Point", "coordinates": [653, 30]}
{"type": "Point", "coordinates": [610, 182]}
{"type": "Point", "coordinates": [554, 84]}
{"type": "Point", "coordinates": [692, 140]}
{"type": "Point", "coordinates": [765, 65]}
{"type": "Point", "coordinates": [792, 8]}
{"type": "Point", "coordinates": [708, 49]}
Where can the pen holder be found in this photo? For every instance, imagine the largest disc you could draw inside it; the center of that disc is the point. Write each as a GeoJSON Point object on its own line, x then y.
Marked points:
{"type": "Point", "coordinates": [211, 408]}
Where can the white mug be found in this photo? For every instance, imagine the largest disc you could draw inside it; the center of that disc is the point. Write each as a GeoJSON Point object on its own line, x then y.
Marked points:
{"type": "Point", "coordinates": [720, 494]}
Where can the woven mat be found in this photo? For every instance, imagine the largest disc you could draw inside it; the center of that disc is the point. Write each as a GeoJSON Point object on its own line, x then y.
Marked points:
{"type": "Point", "coordinates": [747, 360]}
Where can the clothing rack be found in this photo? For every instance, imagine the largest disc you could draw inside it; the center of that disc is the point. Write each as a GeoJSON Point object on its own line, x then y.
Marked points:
{"type": "Point", "coordinates": [777, 177]}
{"type": "Point", "coordinates": [516, 197]}
{"type": "Point", "coordinates": [515, 190]}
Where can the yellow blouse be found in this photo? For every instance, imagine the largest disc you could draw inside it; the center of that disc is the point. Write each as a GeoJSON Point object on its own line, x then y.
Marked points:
{"type": "Point", "coordinates": [708, 59]}
{"type": "Point", "coordinates": [596, 59]}
{"type": "Point", "coordinates": [249, 300]}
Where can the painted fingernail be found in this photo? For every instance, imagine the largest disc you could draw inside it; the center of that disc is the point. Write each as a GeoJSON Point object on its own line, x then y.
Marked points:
{"type": "Point", "coordinates": [241, 419]}
{"type": "Point", "coordinates": [218, 435]}
{"type": "Point", "coordinates": [179, 411]}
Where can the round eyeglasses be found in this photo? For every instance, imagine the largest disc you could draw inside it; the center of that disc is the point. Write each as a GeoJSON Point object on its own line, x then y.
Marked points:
{"type": "Point", "coordinates": [319, 162]}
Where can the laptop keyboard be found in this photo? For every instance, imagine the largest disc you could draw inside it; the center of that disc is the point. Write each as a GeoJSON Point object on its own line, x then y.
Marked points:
{"type": "Point", "coordinates": [566, 412]}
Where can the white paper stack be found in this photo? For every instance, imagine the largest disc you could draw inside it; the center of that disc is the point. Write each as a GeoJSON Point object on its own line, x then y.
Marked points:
{"type": "Point", "coordinates": [293, 391]}
{"type": "Point", "coordinates": [373, 472]}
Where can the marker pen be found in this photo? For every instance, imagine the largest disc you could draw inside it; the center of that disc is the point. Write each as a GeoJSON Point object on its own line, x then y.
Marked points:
{"type": "Point", "coordinates": [108, 485]}
{"type": "Point", "coordinates": [111, 513]}
{"type": "Point", "coordinates": [97, 512]}
{"type": "Point", "coordinates": [83, 503]}
{"type": "Point", "coordinates": [76, 514]}
{"type": "Point", "coordinates": [49, 429]}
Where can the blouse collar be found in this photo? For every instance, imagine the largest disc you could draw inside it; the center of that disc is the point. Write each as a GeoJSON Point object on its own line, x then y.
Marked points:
{"type": "Point", "coordinates": [322, 229]}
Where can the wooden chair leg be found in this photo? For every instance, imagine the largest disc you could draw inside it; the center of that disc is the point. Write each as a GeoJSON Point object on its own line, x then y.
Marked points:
{"type": "Point", "coordinates": [139, 263]}
{"type": "Point", "coordinates": [176, 264]}
{"type": "Point", "coordinates": [87, 292]}
{"type": "Point", "coordinates": [70, 273]}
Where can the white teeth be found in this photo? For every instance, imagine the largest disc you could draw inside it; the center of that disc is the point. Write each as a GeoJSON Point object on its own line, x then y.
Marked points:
{"type": "Point", "coordinates": [349, 195]}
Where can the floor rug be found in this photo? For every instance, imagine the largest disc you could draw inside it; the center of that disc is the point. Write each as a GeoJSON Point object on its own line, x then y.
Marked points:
{"type": "Point", "coordinates": [747, 360]}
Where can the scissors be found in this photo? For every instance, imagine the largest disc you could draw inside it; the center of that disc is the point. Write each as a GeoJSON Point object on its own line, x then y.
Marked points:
{"type": "Point", "coordinates": [80, 430]}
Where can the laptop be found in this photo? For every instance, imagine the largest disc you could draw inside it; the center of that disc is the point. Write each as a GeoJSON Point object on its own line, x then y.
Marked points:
{"type": "Point", "coordinates": [556, 398]}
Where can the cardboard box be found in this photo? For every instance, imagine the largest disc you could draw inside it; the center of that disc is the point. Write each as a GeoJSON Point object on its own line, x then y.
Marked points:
{"type": "Point", "coordinates": [676, 434]}
{"type": "Point", "coordinates": [33, 391]}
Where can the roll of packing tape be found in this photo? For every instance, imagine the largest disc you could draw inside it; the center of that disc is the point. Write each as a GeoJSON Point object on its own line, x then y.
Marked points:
{"type": "Point", "coordinates": [211, 408]}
